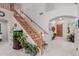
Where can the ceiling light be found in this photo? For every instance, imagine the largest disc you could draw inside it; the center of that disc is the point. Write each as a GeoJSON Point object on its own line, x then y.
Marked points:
{"type": "Point", "coordinates": [53, 22]}
{"type": "Point", "coordinates": [60, 18]}
{"type": "Point", "coordinates": [61, 21]}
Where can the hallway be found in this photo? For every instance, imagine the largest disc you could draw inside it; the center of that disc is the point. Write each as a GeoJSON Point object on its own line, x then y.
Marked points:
{"type": "Point", "coordinates": [57, 47]}
{"type": "Point", "coordinates": [60, 47]}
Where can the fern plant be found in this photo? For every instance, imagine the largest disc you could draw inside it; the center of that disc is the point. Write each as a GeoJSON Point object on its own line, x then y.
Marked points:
{"type": "Point", "coordinates": [32, 49]}
{"type": "Point", "coordinates": [70, 37]}
{"type": "Point", "coordinates": [29, 48]}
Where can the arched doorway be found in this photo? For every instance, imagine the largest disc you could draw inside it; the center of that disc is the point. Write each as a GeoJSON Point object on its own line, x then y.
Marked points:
{"type": "Point", "coordinates": [61, 25]}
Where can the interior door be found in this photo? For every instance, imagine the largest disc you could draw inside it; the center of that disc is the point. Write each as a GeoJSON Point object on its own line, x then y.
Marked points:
{"type": "Point", "coordinates": [59, 31]}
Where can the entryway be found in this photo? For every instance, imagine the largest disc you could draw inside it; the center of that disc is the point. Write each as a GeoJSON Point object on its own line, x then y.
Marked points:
{"type": "Point", "coordinates": [56, 27]}
{"type": "Point", "coordinates": [60, 45]}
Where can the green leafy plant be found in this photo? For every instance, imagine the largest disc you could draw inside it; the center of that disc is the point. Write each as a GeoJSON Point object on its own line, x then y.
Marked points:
{"type": "Point", "coordinates": [29, 48]}
{"type": "Point", "coordinates": [54, 35]}
{"type": "Point", "coordinates": [17, 34]}
{"type": "Point", "coordinates": [70, 37]}
{"type": "Point", "coordinates": [32, 49]}
{"type": "Point", "coordinates": [20, 37]}
{"type": "Point", "coordinates": [22, 40]}
{"type": "Point", "coordinates": [17, 40]}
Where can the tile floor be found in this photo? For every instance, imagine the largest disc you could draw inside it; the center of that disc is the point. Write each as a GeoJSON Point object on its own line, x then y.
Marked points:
{"type": "Point", "coordinates": [60, 47]}
{"type": "Point", "coordinates": [57, 47]}
{"type": "Point", "coordinates": [7, 50]}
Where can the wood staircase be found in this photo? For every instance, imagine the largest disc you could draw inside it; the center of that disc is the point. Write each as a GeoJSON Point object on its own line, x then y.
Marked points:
{"type": "Point", "coordinates": [37, 38]}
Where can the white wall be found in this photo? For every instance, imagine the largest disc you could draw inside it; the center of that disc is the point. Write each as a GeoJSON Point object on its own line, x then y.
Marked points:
{"type": "Point", "coordinates": [4, 30]}
{"type": "Point", "coordinates": [11, 21]}
{"type": "Point", "coordinates": [50, 11]}
{"type": "Point", "coordinates": [77, 41]}
{"type": "Point", "coordinates": [33, 11]}
{"type": "Point", "coordinates": [66, 20]}
{"type": "Point", "coordinates": [61, 10]}
{"type": "Point", "coordinates": [8, 18]}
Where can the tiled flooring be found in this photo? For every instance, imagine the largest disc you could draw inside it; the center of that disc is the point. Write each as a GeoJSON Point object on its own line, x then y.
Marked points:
{"type": "Point", "coordinates": [57, 47]}
{"type": "Point", "coordinates": [7, 50]}
{"type": "Point", "coordinates": [60, 47]}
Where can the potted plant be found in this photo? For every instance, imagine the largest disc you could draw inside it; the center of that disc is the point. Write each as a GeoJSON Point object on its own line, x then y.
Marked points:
{"type": "Point", "coordinates": [31, 49]}
{"type": "Point", "coordinates": [54, 35]}
{"type": "Point", "coordinates": [70, 37]}
{"type": "Point", "coordinates": [20, 41]}
{"type": "Point", "coordinates": [16, 37]}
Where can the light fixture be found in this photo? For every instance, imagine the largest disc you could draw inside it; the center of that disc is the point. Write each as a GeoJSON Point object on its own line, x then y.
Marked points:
{"type": "Point", "coordinates": [61, 21]}
{"type": "Point", "coordinates": [60, 18]}
{"type": "Point", "coordinates": [53, 22]}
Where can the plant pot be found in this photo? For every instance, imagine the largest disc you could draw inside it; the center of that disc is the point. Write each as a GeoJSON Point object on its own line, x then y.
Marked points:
{"type": "Point", "coordinates": [16, 44]}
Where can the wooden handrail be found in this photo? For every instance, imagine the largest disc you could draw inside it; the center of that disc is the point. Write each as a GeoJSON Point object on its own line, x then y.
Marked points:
{"type": "Point", "coordinates": [33, 21]}
{"type": "Point", "coordinates": [28, 24]}
{"type": "Point", "coordinates": [12, 6]}
{"type": "Point", "coordinates": [39, 41]}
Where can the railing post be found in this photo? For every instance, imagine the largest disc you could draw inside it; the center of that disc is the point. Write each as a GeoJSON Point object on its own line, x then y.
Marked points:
{"type": "Point", "coordinates": [42, 47]}
{"type": "Point", "coordinates": [12, 7]}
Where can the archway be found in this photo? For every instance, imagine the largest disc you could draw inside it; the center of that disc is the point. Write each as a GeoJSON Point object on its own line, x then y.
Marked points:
{"type": "Point", "coordinates": [60, 25]}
